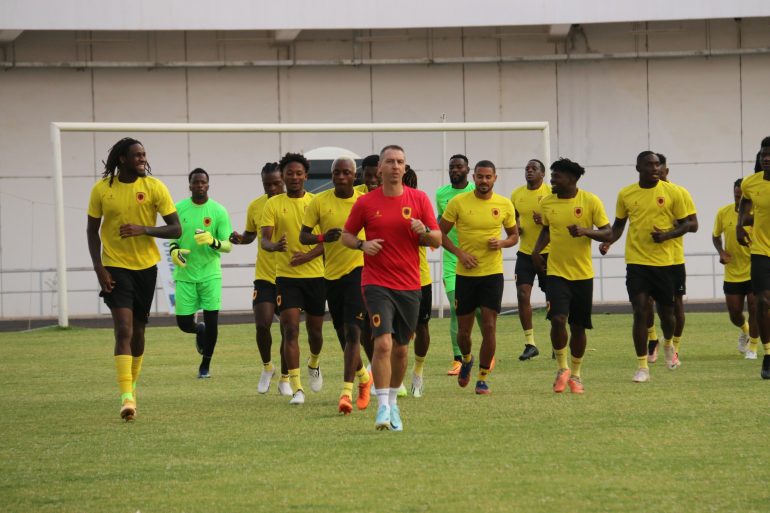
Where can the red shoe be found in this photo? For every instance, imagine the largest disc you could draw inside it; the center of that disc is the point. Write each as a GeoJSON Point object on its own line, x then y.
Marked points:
{"type": "Point", "coordinates": [561, 380]}
{"type": "Point", "coordinates": [454, 369]}
{"type": "Point", "coordinates": [575, 385]}
{"type": "Point", "coordinates": [345, 406]}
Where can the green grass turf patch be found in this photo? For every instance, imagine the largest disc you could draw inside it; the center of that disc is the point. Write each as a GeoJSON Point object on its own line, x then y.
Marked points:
{"type": "Point", "coordinates": [691, 440]}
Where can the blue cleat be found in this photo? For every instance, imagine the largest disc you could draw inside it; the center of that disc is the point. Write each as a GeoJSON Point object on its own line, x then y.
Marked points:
{"type": "Point", "coordinates": [203, 374]}
{"type": "Point", "coordinates": [382, 423]}
{"type": "Point", "coordinates": [482, 388]}
{"type": "Point", "coordinates": [465, 373]}
{"type": "Point", "coordinates": [395, 419]}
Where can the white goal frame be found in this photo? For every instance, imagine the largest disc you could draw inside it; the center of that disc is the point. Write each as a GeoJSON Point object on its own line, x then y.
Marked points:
{"type": "Point", "coordinates": [58, 127]}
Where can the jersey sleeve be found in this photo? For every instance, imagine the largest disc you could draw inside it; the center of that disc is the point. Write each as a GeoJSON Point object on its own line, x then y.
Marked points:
{"type": "Point", "coordinates": [718, 227]}
{"type": "Point", "coordinates": [620, 207]}
{"type": "Point", "coordinates": [224, 229]}
{"type": "Point", "coordinates": [544, 214]}
{"type": "Point", "coordinates": [599, 215]}
{"type": "Point", "coordinates": [450, 214]}
{"type": "Point", "coordinates": [678, 208]}
{"type": "Point", "coordinates": [312, 217]}
{"type": "Point", "coordinates": [95, 202]}
{"type": "Point", "coordinates": [164, 204]}
{"type": "Point", "coordinates": [268, 215]}
{"type": "Point", "coordinates": [251, 222]}
{"type": "Point", "coordinates": [509, 221]}
{"type": "Point", "coordinates": [689, 204]}
{"type": "Point", "coordinates": [439, 210]}
{"type": "Point", "coordinates": [355, 221]}
{"type": "Point", "coordinates": [428, 217]}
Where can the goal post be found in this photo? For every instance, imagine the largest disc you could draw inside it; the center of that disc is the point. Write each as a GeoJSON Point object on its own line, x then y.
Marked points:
{"type": "Point", "coordinates": [58, 179]}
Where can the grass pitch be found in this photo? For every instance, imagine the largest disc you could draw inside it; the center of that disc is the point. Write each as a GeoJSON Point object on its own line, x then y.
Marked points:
{"type": "Point", "coordinates": [691, 440]}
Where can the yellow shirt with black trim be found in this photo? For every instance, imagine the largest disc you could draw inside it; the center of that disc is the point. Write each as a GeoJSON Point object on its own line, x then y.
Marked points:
{"type": "Point", "coordinates": [264, 269]}
{"type": "Point", "coordinates": [478, 220]}
{"type": "Point", "coordinates": [757, 189]}
{"type": "Point", "coordinates": [328, 211]}
{"type": "Point", "coordinates": [648, 210]}
{"type": "Point", "coordinates": [738, 270]}
{"type": "Point", "coordinates": [362, 188]}
{"type": "Point", "coordinates": [570, 257]}
{"type": "Point", "coordinates": [139, 203]}
{"type": "Point", "coordinates": [689, 207]}
{"type": "Point", "coordinates": [285, 215]}
{"type": "Point", "coordinates": [526, 202]}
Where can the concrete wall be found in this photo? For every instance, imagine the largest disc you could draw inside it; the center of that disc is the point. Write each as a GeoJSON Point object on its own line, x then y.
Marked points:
{"type": "Point", "coordinates": [706, 114]}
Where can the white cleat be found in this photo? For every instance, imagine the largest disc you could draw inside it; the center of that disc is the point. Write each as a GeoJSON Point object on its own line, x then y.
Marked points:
{"type": "Point", "coordinates": [284, 388]}
{"type": "Point", "coordinates": [672, 361]}
{"type": "Point", "coordinates": [264, 381]}
{"type": "Point", "coordinates": [743, 342]}
{"type": "Point", "coordinates": [298, 397]}
{"type": "Point", "coordinates": [642, 376]}
{"type": "Point", "coordinates": [750, 355]}
{"type": "Point", "coordinates": [316, 378]}
{"type": "Point", "coordinates": [418, 386]}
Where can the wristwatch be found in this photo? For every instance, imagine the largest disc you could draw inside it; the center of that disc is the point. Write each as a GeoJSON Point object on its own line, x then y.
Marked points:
{"type": "Point", "coordinates": [360, 245]}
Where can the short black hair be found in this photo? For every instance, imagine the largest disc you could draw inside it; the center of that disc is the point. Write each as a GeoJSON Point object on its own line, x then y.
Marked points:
{"type": "Point", "coordinates": [765, 142]}
{"type": "Point", "coordinates": [738, 183]}
{"type": "Point", "coordinates": [758, 163]}
{"type": "Point", "coordinates": [459, 156]}
{"type": "Point", "coordinates": [485, 163]}
{"type": "Point", "coordinates": [269, 167]}
{"type": "Point", "coordinates": [294, 157]}
{"type": "Point", "coordinates": [392, 147]}
{"type": "Point", "coordinates": [370, 161]}
{"type": "Point", "coordinates": [567, 166]}
{"type": "Point", "coordinates": [641, 156]}
{"type": "Point", "coordinates": [410, 177]}
{"type": "Point", "coordinates": [542, 166]}
{"type": "Point", "coordinates": [662, 158]}
{"type": "Point", "coordinates": [197, 171]}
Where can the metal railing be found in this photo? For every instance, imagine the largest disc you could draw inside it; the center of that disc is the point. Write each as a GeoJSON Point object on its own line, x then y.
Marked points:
{"type": "Point", "coordinates": [43, 285]}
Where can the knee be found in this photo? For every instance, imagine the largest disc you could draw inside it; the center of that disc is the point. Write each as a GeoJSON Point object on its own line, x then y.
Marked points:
{"type": "Point", "coordinates": [290, 331]}
{"type": "Point", "coordinates": [559, 321]}
{"type": "Point", "coordinates": [185, 323]}
{"type": "Point", "coordinates": [522, 297]}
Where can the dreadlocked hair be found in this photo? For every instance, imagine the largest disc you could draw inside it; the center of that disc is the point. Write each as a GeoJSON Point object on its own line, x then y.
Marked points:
{"type": "Point", "coordinates": [119, 149]}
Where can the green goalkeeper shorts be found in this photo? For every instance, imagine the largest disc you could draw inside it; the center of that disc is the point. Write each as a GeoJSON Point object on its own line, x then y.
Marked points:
{"type": "Point", "coordinates": [191, 297]}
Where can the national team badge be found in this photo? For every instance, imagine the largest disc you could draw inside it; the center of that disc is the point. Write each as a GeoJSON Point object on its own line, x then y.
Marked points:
{"type": "Point", "coordinates": [495, 212]}
{"type": "Point", "coordinates": [578, 212]}
{"type": "Point", "coordinates": [376, 320]}
{"type": "Point", "coordinates": [207, 221]}
{"type": "Point", "coordinates": [661, 201]}
{"type": "Point", "coordinates": [140, 197]}
{"type": "Point", "coordinates": [406, 212]}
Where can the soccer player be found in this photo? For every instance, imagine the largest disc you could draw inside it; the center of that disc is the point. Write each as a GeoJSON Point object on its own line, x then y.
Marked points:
{"type": "Point", "coordinates": [342, 274]}
{"type": "Point", "coordinates": [737, 282]}
{"type": "Point", "coordinates": [756, 196]}
{"type": "Point", "coordinates": [526, 200]}
{"type": "Point", "coordinates": [263, 301]}
{"type": "Point", "coordinates": [458, 184]}
{"type": "Point", "coordinates": [371, 179]}
{"type": "Point", "coordinates": [422, 333]}
{"type": "Point", "coordinates": [657, 214]}
{"type": "Point", "coordinates": [397, 221]}
{"type": "Point", "coordinates": [479, 214]}
{"type": "Point", "coordinates": [299, 274]}
{"type": "Point", "coordinates": [125, 256]}
{"type": "Point", "coordinates": [198, 273]}
{"type": "Point", "coordinates": [571, 218]}
{"type": "Point", "coordinates": [680, 276]}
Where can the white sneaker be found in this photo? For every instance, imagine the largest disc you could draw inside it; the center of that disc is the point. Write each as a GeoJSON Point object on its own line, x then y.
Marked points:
{"type": "Point", "coordinates": [316, 378]}
{"type": "Point", "coordinates": [642, 375]}
{"type": "Point", "coordinates": [298, 398]}
{"type": "Point", "coordinates": [417, 385]}
{"type": "Point", "coordinates": [402, 391]}
{"type": "Point", "coordinates": [669, 355]}
{"type": "Point", "coordinates": [284, 388]}
{"type": "Point", "coordinates": [750, 355]}
{"type": "Point", "coordinates": [743, 342]}
{"type": "Point", "coordinates": [264, 381]}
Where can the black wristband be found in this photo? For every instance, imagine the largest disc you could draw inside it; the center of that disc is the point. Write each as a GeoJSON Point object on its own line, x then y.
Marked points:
{"type": "Point", "coordinates": [216, 244]}
{"type": "Point", "coordinates": [360, 245]}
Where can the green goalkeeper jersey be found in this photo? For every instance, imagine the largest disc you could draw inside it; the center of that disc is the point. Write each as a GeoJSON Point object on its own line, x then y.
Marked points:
{"type": "Point", "coordinates": [203, 261]}
{"type": "Point", "coordinates": [443, 195]}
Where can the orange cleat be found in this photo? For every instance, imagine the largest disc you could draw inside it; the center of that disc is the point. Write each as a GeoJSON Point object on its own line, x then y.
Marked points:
{"type": "Point", "coordinates": [364, 393]}
{"type": "Point", "coordinates": [575, 385]}
{"type": "Point", "coordinates": [560, 383]}
{"type": "Point", "coordinates": [345, 406]}
{"type": "Point", "coordinates": [454, 369]}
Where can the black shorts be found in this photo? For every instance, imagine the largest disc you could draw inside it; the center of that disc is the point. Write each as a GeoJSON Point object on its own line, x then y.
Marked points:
{"type": "Point", "coordinates": [739, 288]}
{"type": "Point", "coordinates": [573, 298]}
{"type": "Point", "coordinates": [307, 294]}
{"type": "Point", "coordinates": [525, 271]}
{"type": "Point", "coordinates": [679, 273]}
{"type": "Point", "coordinates": [760, 273]}
{"type": "Point", "coordinates": [346, 304]}
{"type": "Point", "coordinates": [264, 292]}
{"type": "Point", "coordinates": [392, 311]}
{"type": "Point", "coordinates": [472, 292]}
{"type": "Point", "coordinates": [426, 304]}
{"type": "Point", "coordinates": [655, 281]}
{"type": "Point", "coordinates": [133, 289]}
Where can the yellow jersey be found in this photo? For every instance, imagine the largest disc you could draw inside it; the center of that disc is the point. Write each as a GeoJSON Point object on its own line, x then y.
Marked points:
{"type": "Point", "coordinates": [526, 202]}
{"type": "Point", "coordinates": [757, 189]}
{"type": "Point", "coordinates": [689, 207]}
{"type": "Point", "coordinates": [738, 269]}
{"type": "Point", "coordinates": [285, 215]}
{"type": "Point", "coordinates": [264, 269]}
{"type": "Point", "coordinates": [648, 210]}
{"type": "Point", "coordinates": [362, 188]}
{"type": "Point", "coordinates": [478, 220]}
{"type": "Point", "coordinates": [121, 203]}
{"type": "Point", "coordinates": [327, 211]}
{"type": "Point", "coordinates": [570, 257]}
{"type": "Point", "coordinates": [425, 278]}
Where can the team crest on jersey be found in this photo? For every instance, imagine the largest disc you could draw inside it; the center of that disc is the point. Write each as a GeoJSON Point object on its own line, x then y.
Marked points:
{"type": "Point", "coordinates": [207, 221]}
{"type": "Point", "coordinates": [495, 212]}
{"type": "Point", "coordinates": [578, 212]}
{"type": "Point", "coordinates": [376, 320]}
{"type": "Point", "coordinates": [141, 196]}
{"type": "Point", "coordinates": [406, 212]}
{"type": "Point", "coordinates": [661, 201]}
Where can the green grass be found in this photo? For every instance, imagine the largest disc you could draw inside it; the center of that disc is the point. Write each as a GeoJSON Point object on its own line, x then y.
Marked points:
{"type": "Point", "coordinates": [691, 440]}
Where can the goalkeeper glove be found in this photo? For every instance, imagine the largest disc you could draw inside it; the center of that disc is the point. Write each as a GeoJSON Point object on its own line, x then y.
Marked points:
{"type": "Point", "coordinates": [177, 255]}
{"type": "Point", "coordinates": [203, 237]}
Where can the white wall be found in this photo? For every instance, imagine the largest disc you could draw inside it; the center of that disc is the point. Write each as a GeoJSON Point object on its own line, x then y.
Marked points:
{"type": "Point", "coordinates": [706, 114]}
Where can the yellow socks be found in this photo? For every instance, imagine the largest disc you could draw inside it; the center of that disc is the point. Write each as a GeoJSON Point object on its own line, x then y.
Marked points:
{"type": "Point", "coordinates": [294, 380]}
{"type": "Point", "coordinates": [347, 390]}
{"type": "Point", "coordinates": [753, 344]}
{"type": "Point", "coordinates": [652, 334]}
{"type": "Point", "coordinates": [284, 378]}
{"type": "Point", "coordinates": [642, 362]}
{"type": "Point", "coordinates": [268, 366]}
{"type": "Point", "coordinates": [577, 363]}
{"type": "Point", "coordinates": [469, 357]}
{"type": "Point", "coordinates": [529, 337]}
{"type": "Point", "coordinates": [676, 341]}
{"type": "Point", "coordinates": [136, 368]}
{"type": "Point", "coordinates": [766, 347]}
{"type": "Point", "coordinates": [483, 374]}
{"type": "Point", "coordinates": [313, 362]}
{"type": "Point", "coordinates": [363, 375]}
{"type": "Point", "coordinates": [745, 327]}
{"type": "Point", "coordinates": [561, 357]}
{"type": "Point", "coordinates": [669, 342]}
{"type": "Point", "coordinates": [125, 379]}
{"type": "Point", "coordinates": [419, 361]}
